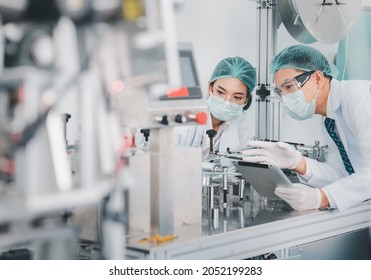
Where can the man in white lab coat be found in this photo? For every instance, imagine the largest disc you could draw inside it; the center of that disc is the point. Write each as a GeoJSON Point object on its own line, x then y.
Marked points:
{"type": "Point", "coordinates": [229, 97]}
{"type": "Point", "coordinates": [303, 78]}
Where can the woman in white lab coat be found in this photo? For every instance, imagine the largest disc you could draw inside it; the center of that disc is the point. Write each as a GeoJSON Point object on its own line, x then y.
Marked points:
{"type": "Point", "coordinates": [229, 97]}
{"type": "Point", "coordinates": [303, 78]}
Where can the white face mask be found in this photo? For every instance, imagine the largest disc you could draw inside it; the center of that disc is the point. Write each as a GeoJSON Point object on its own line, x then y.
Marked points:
{"type": "Point", "coordinates": [223, 110]}
{"type": "Point", "coordinates": [297, 106]}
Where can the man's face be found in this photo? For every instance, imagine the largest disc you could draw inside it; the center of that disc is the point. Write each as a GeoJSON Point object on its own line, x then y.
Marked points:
{"type": "Point", "coordinates": [291, 80]}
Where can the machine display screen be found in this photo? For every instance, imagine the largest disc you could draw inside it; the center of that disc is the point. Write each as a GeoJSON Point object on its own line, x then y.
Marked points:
{"type": "Point", "coordinates": [190, 88]}
{"type": "Point", "coordinates": [187, 72]}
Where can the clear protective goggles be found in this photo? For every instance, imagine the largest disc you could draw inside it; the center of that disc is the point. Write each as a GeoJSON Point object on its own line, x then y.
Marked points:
{"type": "Point", "coordinates": [293, 84]}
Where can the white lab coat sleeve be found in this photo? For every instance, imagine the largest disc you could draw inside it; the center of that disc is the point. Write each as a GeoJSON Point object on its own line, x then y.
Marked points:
{"type": "Point", "coordinates": [189, 135]}
{"type": "Point", "coordinates": [320, 174]}
{"type": "Point", "coordinates": [356, 112]}
{"type": "Point", "coordinates": [247, 127]}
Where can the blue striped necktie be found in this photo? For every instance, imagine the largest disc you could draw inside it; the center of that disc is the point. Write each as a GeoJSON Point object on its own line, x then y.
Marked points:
{"type": "Point", "coordinates": [330, 127]}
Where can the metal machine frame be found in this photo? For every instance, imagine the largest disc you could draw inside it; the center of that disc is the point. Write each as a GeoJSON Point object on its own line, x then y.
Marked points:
{"type": "Point", "coordinates": [287, 236]}
{"type": "Point", "coordinates": [267, 233]}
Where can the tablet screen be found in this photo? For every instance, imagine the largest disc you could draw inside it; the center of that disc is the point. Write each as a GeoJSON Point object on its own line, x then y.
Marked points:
{"type": "Point", "coordinates": [263, 178]}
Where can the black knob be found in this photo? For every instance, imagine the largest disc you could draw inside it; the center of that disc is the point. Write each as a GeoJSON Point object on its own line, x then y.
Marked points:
{"type": "Point", "coordinates": [66, 117]}
{"type": "Point", "coordinates": [146, 133]}
{"type": "Point", "coordinates": [211, 133]}
{"type": "Point", "coordinates": [180, 118]}
{"type": "Point", "coordinates": [162, 120]}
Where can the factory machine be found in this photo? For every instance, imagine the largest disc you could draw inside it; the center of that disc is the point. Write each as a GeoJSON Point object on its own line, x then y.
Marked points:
{"type": "Point", "coordinates": [105, 72]}
{"type": "Point", "coordinates": [114, 73]}
{"type": "Point", "coordinates": [238, 222]}
{"type": "Point", "coordinates": [56, 195]}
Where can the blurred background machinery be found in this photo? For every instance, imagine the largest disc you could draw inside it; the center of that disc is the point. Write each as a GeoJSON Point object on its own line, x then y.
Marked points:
{"type": "Point", "coordinates": [97, 72]}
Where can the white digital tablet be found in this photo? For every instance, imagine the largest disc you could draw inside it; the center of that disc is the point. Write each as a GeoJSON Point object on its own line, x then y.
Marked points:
{"type": "Point", "coordinates": [263, 178]}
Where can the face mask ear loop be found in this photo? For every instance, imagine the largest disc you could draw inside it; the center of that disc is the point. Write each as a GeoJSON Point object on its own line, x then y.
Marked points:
{"type": "Point", "coordinates": [314, 99]}
{"type": "Point", "coordinates": [317, 93]}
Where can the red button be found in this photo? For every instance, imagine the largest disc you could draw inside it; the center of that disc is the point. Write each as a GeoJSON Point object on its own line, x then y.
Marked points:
{"type": "Point", "coordinates": [201, 118]}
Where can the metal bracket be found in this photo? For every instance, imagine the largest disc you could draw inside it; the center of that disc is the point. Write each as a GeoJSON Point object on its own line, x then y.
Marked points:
{"type": "Point", "coordinates": [264, 4]}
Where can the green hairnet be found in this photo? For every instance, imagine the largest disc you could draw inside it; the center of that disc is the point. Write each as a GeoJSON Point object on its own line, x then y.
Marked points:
{"type": "Point", "coordinates": [302, 57]}
{"type": "Point", "coordinates": [235, 67]}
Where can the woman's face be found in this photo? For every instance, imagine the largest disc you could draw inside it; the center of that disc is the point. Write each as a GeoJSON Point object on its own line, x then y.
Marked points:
{"type": "Point", "coordinates": [231, 89]}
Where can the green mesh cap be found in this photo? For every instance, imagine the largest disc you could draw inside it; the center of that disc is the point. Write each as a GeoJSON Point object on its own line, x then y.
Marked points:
{"type": "Point", "coordinates": [235, 67]}
{"type": "Point", "coordinates": [302, 58]}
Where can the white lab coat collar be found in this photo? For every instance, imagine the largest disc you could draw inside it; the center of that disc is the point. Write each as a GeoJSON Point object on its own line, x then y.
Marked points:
{"type": "Point", "coordinates": [333, 101]}
{"type": "Point", "coordinates": [209, 125]}
{"type": "Point", "coordinates": [333, 109]}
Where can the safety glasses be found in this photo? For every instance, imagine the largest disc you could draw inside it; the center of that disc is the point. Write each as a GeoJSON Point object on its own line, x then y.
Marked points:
{"type": "Point", "coordinates": [293, 84]}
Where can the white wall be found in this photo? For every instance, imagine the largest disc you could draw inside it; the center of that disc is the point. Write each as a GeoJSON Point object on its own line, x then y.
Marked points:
{"type": "Point", "coordinates": [220, 28]}
{"type": "Point", "coordinates": [217, 29]}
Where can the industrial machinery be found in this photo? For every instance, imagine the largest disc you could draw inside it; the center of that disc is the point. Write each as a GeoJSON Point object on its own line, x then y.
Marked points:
{"type": "Point", "coordinates": [237, 222]}
{"type": "Point", "coordinates": [50, 57]}
{"type": "Point", "coordinates": [109, 68]}
{"type": "Point", "coordinates": [92, 93]}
